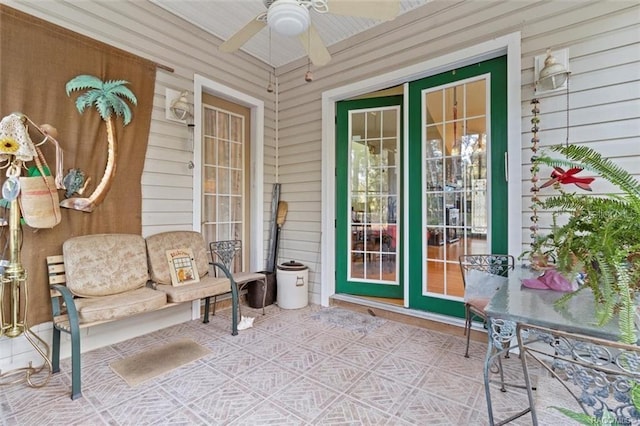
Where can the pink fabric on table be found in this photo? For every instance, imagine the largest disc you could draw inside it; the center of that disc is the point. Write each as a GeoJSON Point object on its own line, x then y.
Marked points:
{"type": "Point", "coordinates": [551, 280]}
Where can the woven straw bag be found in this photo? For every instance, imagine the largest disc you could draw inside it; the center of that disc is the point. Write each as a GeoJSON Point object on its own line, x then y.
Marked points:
{"type": "Point", "coordinates": [39, 199]}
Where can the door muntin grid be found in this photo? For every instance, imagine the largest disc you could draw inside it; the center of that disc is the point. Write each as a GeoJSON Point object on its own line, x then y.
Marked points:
{"type": "Point", "coordinates": [455, 123]}
{"type": "Point", "coordinates": [373, 194]}
{"type": "Point", "coordinates": [223, 197]}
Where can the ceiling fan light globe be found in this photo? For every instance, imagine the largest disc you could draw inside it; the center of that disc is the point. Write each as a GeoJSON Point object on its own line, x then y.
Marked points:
{"type": "Point", "coordinates": [288, 18]}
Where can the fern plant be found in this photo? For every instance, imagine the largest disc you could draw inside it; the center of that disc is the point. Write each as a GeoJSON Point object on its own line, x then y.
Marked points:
{"type": "Point", "coordinates": [600, 238]}
{"type": "Point", "coordinates": [607, 418]}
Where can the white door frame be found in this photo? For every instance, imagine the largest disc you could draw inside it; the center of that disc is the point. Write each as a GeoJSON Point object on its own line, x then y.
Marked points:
{"type": "Point", "coordinates": [509, 45]}
{"type": "Point", "coordinates": [256, 163]}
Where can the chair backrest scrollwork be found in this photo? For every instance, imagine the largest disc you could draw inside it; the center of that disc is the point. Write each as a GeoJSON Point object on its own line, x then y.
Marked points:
{"type": "Point", "coordinates": [496, 264]}
{"type": "Point", "coordinates": [229, 253]}
{"type": "Point", "coordinates": [601, 375]}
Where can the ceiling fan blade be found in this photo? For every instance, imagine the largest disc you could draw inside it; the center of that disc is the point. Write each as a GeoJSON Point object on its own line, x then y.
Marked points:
{"type": "Point", "coordinates": [383, 10]}
{"type": "Point", "coordinates": [241, 37]}
{"type": "Point", "coordinates": [314, 46]}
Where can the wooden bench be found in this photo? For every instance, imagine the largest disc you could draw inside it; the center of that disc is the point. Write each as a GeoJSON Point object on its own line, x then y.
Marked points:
{"type": "Point", "coordinates": [106, 277]}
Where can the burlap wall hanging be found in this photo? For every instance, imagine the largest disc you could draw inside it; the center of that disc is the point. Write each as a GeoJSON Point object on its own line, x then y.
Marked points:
{"type": "Point", "coordinates": [37, 60]}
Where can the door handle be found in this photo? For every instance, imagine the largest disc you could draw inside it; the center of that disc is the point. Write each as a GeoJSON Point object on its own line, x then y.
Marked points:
{"type": "Point", "coordinates": [506, 166]}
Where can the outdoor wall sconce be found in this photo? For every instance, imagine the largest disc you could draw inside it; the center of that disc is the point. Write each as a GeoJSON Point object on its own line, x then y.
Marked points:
{"type": "Point", "coordinates": [551, 72]}
{"type": "Point", "coordinates": [177, 107]}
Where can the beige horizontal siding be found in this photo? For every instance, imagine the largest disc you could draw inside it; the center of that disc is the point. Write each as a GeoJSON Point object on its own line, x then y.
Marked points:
{"type": "Point", "coordinates": [602, 37]}
{"type": "Point", "coordinates": [145, 29]}
{"type": "Point", "coordinates": [149, 31]}
{"type": "Point", "coordinates": [604, 49]}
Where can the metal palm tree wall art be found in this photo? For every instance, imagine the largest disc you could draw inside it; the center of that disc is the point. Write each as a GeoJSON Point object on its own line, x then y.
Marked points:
{"type": "Point", "coordinates": [107, 97]}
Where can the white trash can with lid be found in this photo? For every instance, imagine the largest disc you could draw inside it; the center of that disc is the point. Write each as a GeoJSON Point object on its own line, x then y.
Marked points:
{"type": "Point", "coordinates": [292, 280]}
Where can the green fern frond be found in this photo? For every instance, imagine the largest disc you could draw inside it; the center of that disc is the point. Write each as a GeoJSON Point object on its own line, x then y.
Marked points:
{"type": "Point", "coordinates": [627, 307]}
{"type": "Point", "coordinates": [562, 301]}
{"type": "Point", "coordinates": [604, 312]}
{"type": "Point", "coordinates": [635, 396]}
{"type": "Point", "coordinates": [581, 418]}
{"type": "Point", "coordinates": [588, 159]}
{"type": "Point", "coordinates": [606, 284]}
{"type": "Point", "coordinates": [569, 202]}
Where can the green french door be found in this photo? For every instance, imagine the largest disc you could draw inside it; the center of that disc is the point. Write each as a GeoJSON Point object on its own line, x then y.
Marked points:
{"type": "Point", "coordinates": [368, 172]}
{"type": "Point", "coordinates": [457, 187]}
{"type": "Point", "coordinates": [448, 175]}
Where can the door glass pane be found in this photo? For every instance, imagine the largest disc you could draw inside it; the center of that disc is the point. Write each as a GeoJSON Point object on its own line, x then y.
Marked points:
{"type": "Point", "coordinates": [455, 181]}
{"type": "Point", "coordinates": [236, 156]}
{"type": "Point", "coordinates": [222, 125]}
{"type": "Point", "coordinates": [373, 194]}
{"type": "Point", "coordinates": [236, 209]}
{"type": "Point", "coordinates": [223, 152]}
{"type": "Point", "coordinates": [237, 124]}
{"type": "Point", "coordinates": [209, 122]}
{"type": "Point", "coordinates": [223, 209]}
{"type": "Point", "coordinates": [209, 151]}
{"type": "Point", "coordinates": [479, 91]}
{"type": "Point", "coordinates": [223, 174]}
{"type": "Point", "coordinates": [223, 180]}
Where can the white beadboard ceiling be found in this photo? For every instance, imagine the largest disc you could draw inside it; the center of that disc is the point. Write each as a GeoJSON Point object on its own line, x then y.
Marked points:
{"type": "Point", "coordinates": [223, 18]}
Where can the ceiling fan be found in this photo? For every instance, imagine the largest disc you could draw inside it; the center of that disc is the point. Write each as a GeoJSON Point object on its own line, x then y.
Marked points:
{"type": "Point", "coordinates": [292, 18]}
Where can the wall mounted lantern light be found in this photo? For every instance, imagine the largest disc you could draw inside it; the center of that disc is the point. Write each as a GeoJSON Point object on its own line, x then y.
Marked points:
{"type": "Point", "coordinates": [551, 71]}
{"type": "Point", "coordinates": [177, 106]}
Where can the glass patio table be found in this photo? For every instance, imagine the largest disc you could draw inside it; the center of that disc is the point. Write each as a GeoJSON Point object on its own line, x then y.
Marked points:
{"type": "Point", "coordinates": [514, 306]}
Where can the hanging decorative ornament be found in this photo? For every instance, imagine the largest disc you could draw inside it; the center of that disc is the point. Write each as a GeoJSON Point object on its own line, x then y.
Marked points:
{"type": "Point", "coordinates": [272, 70]}
{"type": "Point", "coordinates": [270, 86]}
{"type": "Point", "coordinates": [308, 76]}
{"type": "Point", "coordinates": [535, 201]}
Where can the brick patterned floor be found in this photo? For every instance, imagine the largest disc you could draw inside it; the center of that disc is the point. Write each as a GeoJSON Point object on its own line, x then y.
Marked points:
{"type": "Point", "coordinates": [291, 368]}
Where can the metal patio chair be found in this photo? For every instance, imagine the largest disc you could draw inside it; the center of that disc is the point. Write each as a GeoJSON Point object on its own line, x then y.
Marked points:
{"type": "Point", "coordinates": [476, 298]}
{"type": "Point", "coordinates": [229, 253]}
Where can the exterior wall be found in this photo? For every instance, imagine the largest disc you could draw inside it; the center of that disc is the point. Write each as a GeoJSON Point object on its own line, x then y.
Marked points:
{"type": "Point", "coordinates": [167, 182]}
{"type": "Point", "coordinates": [603, 39]}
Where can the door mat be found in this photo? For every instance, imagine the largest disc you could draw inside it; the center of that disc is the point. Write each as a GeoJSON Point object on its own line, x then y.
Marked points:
{"type": "Point", "coordinates": [350, 320]}
{"type": "Point", "coordinates": [158, 360]}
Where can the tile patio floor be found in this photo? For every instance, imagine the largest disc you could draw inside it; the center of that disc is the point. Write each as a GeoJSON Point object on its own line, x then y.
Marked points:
{"type": "Point", "coordinates": [292, 368]}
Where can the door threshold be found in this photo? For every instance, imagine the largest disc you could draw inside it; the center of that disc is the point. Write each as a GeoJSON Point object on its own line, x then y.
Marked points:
{"type": "Point", "coordinates": [384, 300]}
{"type": "Point", "coordinates": [394, 312]}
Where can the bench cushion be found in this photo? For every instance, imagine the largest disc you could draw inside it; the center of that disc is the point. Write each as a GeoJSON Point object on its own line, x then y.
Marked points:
{"type": "Point", "coordinates": [105, 264]}
{"type": "Point", "coordinates": [208, 286]}
{"type": "Point", "coordinates": [121, 305]}
{"type": "Point", "coordinates": [158, 244]}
